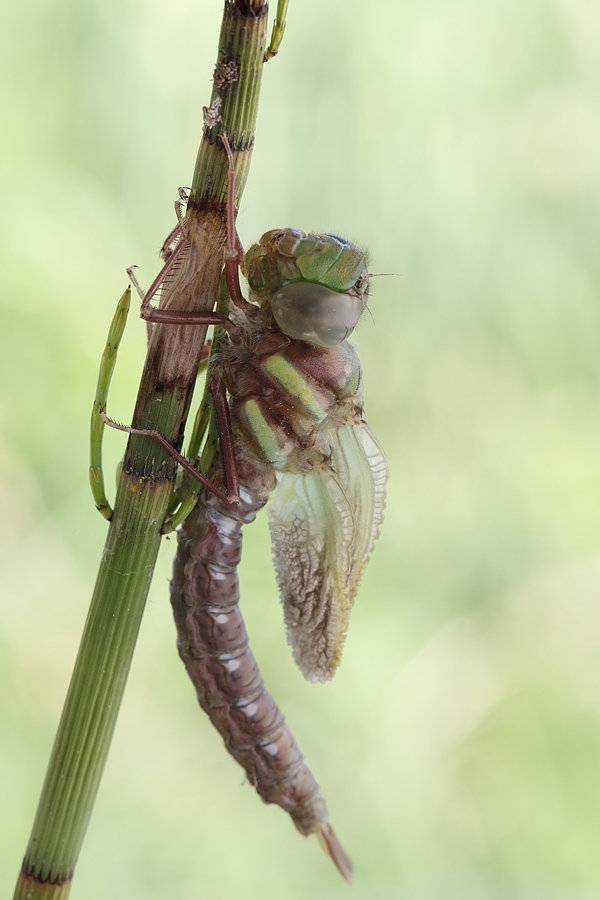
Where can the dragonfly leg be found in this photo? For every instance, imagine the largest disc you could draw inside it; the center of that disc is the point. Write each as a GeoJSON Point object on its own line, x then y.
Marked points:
{"type": "Point", "coordinates": [170, 242]}
{"type": "Point", "coordinates": [135, 283]}
{"type": "Point", "coordinates": [176, 317]}
{"type": "Point", "coordinates": [234, 254]}
{"type": "Point", "coordinates": [278, 30]}
{"type": "Point", "coordinates": [147, 296]}
{"type": "Point", "coordinates": [228, 460]}
{"type": "Point", "coordinates": [189, 498]}
{"type": "Point", "coordinates": [178, 231]}
{"type": "Point", "coordinates": [142, 295]}
{"type": "Point", "coordinates": [107, 366]}
{"type": "Point", "coordinates": [170, 251]}
{"type": "Point", "coordinates": [172, 259]}
{"type": "Point", "coordinates": [173, 317]}
{"type": "Point", "coordinates": [183, 462]}
{"type": "Point", "coordinates": [181, 204]}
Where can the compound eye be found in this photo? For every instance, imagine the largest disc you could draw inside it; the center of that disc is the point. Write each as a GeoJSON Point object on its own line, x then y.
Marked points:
{"type": "Point", "coordinates": [315, 314]}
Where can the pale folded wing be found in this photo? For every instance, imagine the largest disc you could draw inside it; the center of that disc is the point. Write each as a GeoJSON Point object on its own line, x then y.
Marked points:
{"type": "Point", "coordinates": [323, 527]}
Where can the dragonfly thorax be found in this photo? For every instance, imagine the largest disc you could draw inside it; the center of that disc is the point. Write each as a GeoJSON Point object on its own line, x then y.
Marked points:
{"type": "Point", "coordinates": [283, 392]}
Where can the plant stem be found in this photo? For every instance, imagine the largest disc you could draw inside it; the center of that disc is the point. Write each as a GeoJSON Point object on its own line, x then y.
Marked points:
{"type": "Point", "coordinates": [96, 689]}
{"type": "Point", "coordinates": [147, 477]}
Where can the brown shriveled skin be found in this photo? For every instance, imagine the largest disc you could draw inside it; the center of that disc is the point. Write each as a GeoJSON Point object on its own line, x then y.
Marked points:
{"type": "Point", "coordinates": [213, 645]}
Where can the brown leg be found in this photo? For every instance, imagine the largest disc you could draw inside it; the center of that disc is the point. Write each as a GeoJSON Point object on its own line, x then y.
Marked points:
{"type": "Point", "coordinates": [225, 437]}
{"type": "Point", "coordinates": [234, 253]}
{"type": "Point", "coordinates": [174, 256]}
{"type": "Point", "coordinates": [149, 294]}
{"type": "Point", "coordinates": [169, 243]}
{"type": "Point", "coordinates": [176, 317]}
{"type": "Point", "coordinates": [183, 462]}
{"type": "Point", "coordinates": [179, 230]}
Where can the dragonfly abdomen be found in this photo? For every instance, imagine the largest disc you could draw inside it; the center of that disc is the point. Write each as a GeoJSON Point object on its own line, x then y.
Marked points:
{"type": "Point", "coordinates": [213, 645]}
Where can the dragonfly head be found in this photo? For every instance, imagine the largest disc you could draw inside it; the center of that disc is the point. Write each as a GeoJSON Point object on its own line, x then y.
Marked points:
{"type": "Point", "coordinates": [317, 284]}
{"type": "Point", "coordinates": [310, 312]}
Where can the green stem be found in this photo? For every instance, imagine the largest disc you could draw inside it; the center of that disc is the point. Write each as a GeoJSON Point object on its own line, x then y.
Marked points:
{"type": "Point", "coordinates": [147, 477]}
{"type": "Point", "coordinates": [96, 689]}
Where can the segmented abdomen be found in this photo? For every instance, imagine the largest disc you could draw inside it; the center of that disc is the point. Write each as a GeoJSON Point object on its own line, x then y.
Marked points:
{"type": "Point", "coordinates": [213, 645]}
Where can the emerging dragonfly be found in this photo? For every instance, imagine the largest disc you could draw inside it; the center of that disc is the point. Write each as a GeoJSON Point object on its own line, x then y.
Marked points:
{"type": "Point", "coordinates": [287, 408]}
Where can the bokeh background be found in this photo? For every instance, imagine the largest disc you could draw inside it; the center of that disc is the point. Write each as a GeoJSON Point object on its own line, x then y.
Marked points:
{"type": "Point", "coordinates": [459, 745]}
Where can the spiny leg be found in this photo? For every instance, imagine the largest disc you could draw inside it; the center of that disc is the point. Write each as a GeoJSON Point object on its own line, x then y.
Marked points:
{"type": "Point", "coordinates": [187, 495]}
{"type": "Point", "coordinates": [181, 203]}
{"type": "Point", "coordinates": [221, 430]}
{"type": "Point", "coordinates": [204, 432]}
{"type": "Point", "coordinates": [228, 462]}
{"type": "Point", "coordinates": [183, 462]}
{"type": "Point", "coordinates": [107, 366]}
{"type": "Point", "coordinates": [170, 252]}
{"type": "Point", "coordinates": [176, 317]}
{"type": "Point", "coordinates": [234, 252]}
{"type": "Point", "coordinates": [146, 296]}
{"type": "Point", "coordinates": [151, 314]}
{"type": "Point", "coordinates": [170, 242]}
{"type": "Point", "coordinates": [135, 283]}
{"type": "Point", "coordinates": [179, 230]}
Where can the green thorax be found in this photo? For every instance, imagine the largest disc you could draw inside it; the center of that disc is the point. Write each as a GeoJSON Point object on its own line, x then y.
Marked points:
{"type": "Point", "coordinates": [284, 404]}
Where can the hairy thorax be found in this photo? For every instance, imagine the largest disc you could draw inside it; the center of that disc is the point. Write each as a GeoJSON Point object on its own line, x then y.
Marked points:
{"type": "Point", "coordinates": [286, 394]}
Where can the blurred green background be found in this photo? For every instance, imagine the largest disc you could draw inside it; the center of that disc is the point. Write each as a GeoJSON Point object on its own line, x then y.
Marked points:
{"type": "Point", "coordinates": [459, 745]}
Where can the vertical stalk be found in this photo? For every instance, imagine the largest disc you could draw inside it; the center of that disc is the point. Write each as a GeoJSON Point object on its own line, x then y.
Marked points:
{"type": "Point", "coordinates": [147, 477]}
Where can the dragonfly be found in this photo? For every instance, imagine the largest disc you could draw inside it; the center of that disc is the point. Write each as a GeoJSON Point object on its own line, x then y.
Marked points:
{"type": "Point", "coordinates": [282, 421]}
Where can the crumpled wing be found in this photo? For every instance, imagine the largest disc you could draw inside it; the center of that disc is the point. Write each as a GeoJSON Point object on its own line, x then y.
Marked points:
{"type": "Point", "coordinates": [323, 527]}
